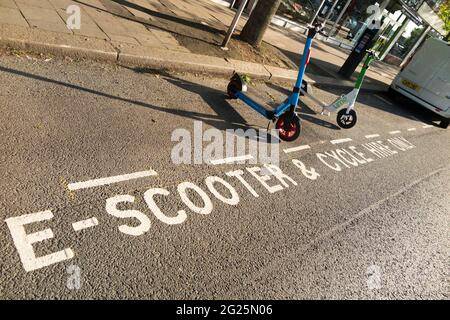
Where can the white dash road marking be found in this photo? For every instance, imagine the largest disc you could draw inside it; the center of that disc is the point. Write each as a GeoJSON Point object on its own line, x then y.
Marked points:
{"type": "Point", "coordinates": [84, 224]}
{"type": "Point", "coordinates": [110, 180]}
{"type": "Point", "coordinates": [338, 141]}
{"type": "Point", "coordinates": [231, 159]}
{"type": "Point", "coordinates": [394, 132]}
{"type": "Point", "coordinates": [370, 136]}
{"type": "Point", "coordinates": [427, 126]}
{"type": "Point", "coordinates": [295, 149]}
{"type": "Point", "coordinates": [412, 129]}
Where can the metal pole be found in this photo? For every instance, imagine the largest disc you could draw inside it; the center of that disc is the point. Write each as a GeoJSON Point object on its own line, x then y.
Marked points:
{"type": "Point", "coordinates": [330, 12]}
{"type": "Point", "coordinates": [397, 34]}
{"type": "Point", "coordinates": [317, 12]}
{"type": "Point", "coordinates": [233, 24]}
{"type": "Point", "coordinates": [333, 28]}
{"type": "Point", "coordinates": [384, 5]}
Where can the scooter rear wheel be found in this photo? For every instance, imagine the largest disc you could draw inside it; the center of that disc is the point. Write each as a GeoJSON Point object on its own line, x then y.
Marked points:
{"type": "Point", "coordinates": [288, 131]}
{"type": "Point", "coordinates": [346, 121]}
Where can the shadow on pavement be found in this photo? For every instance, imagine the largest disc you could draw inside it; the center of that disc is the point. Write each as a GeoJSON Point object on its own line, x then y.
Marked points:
{"type": "Point", "coordinates": [170, 23]}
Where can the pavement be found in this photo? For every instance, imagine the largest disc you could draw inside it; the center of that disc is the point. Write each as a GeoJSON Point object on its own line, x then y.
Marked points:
{"type": "Point", "coordinates": [144, 32]}
{"type": "Point", "coordinates": [355, 214]}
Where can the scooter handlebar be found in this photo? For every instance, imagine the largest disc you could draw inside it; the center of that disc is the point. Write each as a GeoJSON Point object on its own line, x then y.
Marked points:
{"type": "Point", "coordinates": [314, 29]}
{"type": "Point", "coordinates": [373, 54]}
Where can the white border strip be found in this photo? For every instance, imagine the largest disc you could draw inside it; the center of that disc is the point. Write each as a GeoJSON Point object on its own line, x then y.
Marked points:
{"type": "Point", "coordinates": [338, 141]}
{"type": "Point", "coordinates": [370, 136]}
{"type": "Point", "coordinates": [395, 132]}
{"type": "Point", "coordinates": [84, 224]}
{"type": "Point", "coordinates": [412, 129]}
{"type": "Point", "coordinates": [295, 149]}
{"type": "Point", "coordinates": [110, 180]}
{"type": "Point", "coordinates": [231, 159]}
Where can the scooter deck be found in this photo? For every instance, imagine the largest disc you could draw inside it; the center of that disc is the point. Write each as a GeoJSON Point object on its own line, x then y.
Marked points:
{"type": "Point", "coordinates": [263, 97]}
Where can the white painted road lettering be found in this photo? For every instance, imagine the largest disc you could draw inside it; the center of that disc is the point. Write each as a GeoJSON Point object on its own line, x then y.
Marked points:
{"type": "Point", "coordinates": [88, 223]}
{"type": "Point", "coordinates": [148, 197]}
{"type": "Point", "coordinates": [111, 208]}
{"type": "Point", "coordinates": [338, 141]}
{"type": "Point", "coordinates": [238, 174]}
{"type": "Point", "coordinates": [308, 173]}
{"type": "Point", "coordinates": [295, 149]}
{"type": "Point", "coordinates": [191, 194]}
{"type": "Point", "coordinates": [282, 177]}
{"type": "Point", "coordinates": [233, 200]}
{"type": "Point", "coordinates": [110, 180]}
{"type": "Point", "coordinates": [370, 136]}
{"type": "Point", "coordinates": [207, 204]}
{"type": "Point", "coordinates": [238, 159]}
{"type": "Point", "coordinates": [24, 242]}
{"type": "Point", "coordinates": [263, 180]}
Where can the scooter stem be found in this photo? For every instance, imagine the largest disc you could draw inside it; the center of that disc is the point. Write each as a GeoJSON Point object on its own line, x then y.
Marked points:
{"type": "Point", "coordinates": [304, 62]}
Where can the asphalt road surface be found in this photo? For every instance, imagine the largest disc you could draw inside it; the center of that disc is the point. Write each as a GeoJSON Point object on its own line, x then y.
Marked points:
{"type": "Point", "coordinates": [94, 205]}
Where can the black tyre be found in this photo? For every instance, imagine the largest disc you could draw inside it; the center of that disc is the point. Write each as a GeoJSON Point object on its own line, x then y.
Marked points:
{"type": "Point", "coordinates": [346, 121]}
{"type": "Point", "coordinates": [444, 123]}
{"type": "Point", "coordinates": [392, 93]}
{"type": "Point", "coordinates": [233, 87]}
{"type": "Point", "coordinates": [288, 131]}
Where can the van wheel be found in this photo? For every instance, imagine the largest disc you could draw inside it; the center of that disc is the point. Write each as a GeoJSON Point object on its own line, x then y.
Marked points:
{"type": "Point", "coordinates": [392, 94]}
{"type": "Point", "coordinates": [444, 123]}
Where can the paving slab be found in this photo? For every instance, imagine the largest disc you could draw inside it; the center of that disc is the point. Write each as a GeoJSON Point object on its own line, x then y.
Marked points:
{"type": "Point", "coordinates": [34, 13]}
{"type": "Point", "coordinates": [56, 43]}
{"type": "Point", "coordinates": [8, 4]}
{"type": "Point", "coordinates": [44, 4]}
{"type": "Point", "coordinates": [164, 37]}
{"type": "Point", "coordinates": [148, 39]}
{"type": "Point", "coordinates": [58, 27]}
{"type": "Point", "coordinates": [12, 16]}
{"type": "Point", "coordinates": [85, 18]}
{"type": "Point", "coordinates": [91, 31]}
{"type": "Point", "coordinates": [62, 4]}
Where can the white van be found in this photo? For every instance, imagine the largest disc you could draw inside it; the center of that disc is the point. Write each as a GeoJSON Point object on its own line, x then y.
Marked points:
{"type": "Point", "coordinates": [426, 79]}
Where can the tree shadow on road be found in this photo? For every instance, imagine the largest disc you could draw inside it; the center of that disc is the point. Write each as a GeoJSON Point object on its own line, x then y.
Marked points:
{"type": "Point", "coordinates": [306, 113]}
{"type": "Point", "coordinates": [225, 118]}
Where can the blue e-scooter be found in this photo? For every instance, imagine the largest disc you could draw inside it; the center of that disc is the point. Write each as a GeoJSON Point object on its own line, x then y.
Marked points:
{"type": "Point", "coordinates": [287, 121]}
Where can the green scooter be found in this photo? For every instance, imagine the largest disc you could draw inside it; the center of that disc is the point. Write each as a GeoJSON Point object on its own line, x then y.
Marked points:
{"type": "Point", "coordinates": [346, 117]}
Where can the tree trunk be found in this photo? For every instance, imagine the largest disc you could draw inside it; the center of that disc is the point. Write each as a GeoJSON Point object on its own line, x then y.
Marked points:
{"type": "Point", "coordinates": [258, 22]}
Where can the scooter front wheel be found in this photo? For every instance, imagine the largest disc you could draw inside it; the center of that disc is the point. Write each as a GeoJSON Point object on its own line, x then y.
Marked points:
{"type": "Point", "coordinates": [288, 131]}
{"type": "Point", "coordinates": [346, 120]}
